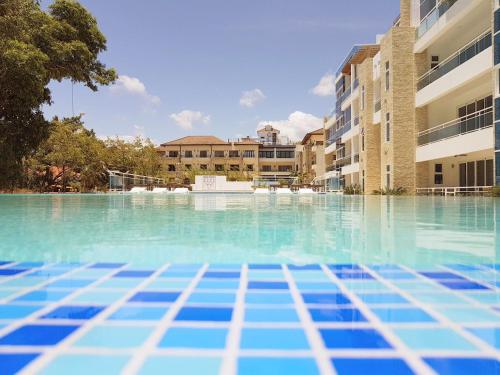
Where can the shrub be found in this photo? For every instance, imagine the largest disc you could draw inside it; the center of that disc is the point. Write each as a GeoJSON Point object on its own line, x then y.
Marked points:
{"type": "Point", "coordinates": [495, 191]}
{"type": "Point", "coordinates": [388, 191]}
{"type": "Point", "coordinates": [353, 190]}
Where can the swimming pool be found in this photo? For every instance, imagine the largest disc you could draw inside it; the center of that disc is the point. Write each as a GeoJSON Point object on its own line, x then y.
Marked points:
{"type": "Point", "coordinates": [239, 284]}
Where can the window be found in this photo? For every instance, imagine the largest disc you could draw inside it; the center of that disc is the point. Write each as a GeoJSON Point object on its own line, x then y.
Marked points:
{"type": "Point", "coordinates": [438, 174]}
{"type": "Point", "coordinates": [388, 176]}
{"type": "Point", "coordinates": [284, 168]}
{"type": "Point", "coordinates": [203, 167]}
{"type": "Point", "coordinates": [285, 154]}
{"type": "Point", "coordinates": [234, 167]}
{"type": "Point", "coordinates": [266, 154]}
{"type": "Point", "coordinates": [249, 154]}
{"type": "Point", "coordinates": [188, 154]}
{"type": "Point", "coordinates": [188, 167]}
{"type": "Point", "coordinates": [362, 97]}
{"type": "Point", "coordinates": [171, 168]}
{"type": "Point", "coordinates": [266, 168]}
{"type": "Point", "coordinates": [250, 167]}
{"type": "Point", "coordinates": [203, 154]}
{"type": "Point", "coordinates": [387, 76]}
{"type": "Point", "coordinates": [234, 154]}
{"type": "Point", "coordinates": [219, 167]}
{"type": "Point", "coordinates": [363, 141]}
{"type": "Point", "coordinates": [219, 154]}
{"type": "Point", "coordinates": [173, 154]}
{"type": "Point", "coordinates": [434, 62]}
{"type": "Point", "coordinates": [387, 127]}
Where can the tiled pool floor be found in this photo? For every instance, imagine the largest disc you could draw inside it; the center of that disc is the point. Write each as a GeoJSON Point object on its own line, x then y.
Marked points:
{"type": "Point", "coordinates": [108, 318]}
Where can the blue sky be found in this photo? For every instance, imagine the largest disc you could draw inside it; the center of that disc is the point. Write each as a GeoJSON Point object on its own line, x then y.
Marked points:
{"type": "Point", "coordinates": [220, 67]}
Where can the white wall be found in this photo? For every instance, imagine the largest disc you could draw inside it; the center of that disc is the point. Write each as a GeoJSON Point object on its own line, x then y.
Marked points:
{"type": "Point", "coordinates": [220, 184]}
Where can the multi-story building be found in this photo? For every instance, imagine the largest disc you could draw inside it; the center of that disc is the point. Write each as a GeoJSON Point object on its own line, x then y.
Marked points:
{"type": "Point", "coordinates": [245, 157]}
{"type": "Point", "coordinates": [310, 156]}
{"type": "Point", "coordinates": [415, 109]}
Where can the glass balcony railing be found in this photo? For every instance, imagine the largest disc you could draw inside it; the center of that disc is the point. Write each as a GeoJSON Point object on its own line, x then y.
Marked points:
{"type": "Point", "coordinates": [342, 98]}
{"type": "Point", "coordinates": [355, 84]}
{"type": "Point", "coordinates": [433, 16]}
{"type": "Point", "coordinates": [356, 121]}
{"type": "Point", "coordinates": [463, 125]}
{"type": "Point", "coordinates": [377, 106]}
{"type": "Point", "coordinates": [337, 134]}
{"type": "Point", "coordinates": [466, 53]}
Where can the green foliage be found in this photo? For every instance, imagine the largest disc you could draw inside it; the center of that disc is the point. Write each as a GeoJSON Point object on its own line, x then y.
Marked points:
{"type": "Point", "coordinates": [353, 190]}
{"type": "Point", "coordinates": [388, 191]}
{"type": "Point", "coordinates": [495, 191]}
{"type": "Point", "coordinates": [35, 48]}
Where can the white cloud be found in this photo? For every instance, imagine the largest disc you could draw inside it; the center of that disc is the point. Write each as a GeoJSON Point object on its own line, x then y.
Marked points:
{"type": "Point", "coordinates": [250, 98]}
{"type": "Point", "coordinates": [133, 86]}
{"type": "Point", "coordinates": [326, 86]}
{"type": "Point", "coordinates": [296, 126]}
{"type": "Point", "coordinates": [187, 119]}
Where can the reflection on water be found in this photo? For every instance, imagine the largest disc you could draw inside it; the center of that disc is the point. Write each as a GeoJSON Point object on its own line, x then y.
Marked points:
{"type": "Point", "coordinates": [148, 229]}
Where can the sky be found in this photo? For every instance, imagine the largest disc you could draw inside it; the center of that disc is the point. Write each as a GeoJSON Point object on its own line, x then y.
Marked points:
{"type": "Point", "coordinates": [219, 67]}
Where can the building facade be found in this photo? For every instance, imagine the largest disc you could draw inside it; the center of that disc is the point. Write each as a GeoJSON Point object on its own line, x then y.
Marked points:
{"type": "Point", "coordinates": [245, 158]}
{"type": "Point", "coordinates": [310, 156]}
{"type": "Point", "coordinates": [415, 109]}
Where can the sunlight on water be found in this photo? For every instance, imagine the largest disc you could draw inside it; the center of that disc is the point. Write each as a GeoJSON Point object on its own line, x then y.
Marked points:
{"type": "Point", "coordinates": [236, 228]}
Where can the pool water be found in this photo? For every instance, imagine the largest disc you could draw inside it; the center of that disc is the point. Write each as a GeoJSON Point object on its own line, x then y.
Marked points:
{"type": "Point", "coordinates": [240, 228]}
{"type": "Point", "coordinates": [242, 285]}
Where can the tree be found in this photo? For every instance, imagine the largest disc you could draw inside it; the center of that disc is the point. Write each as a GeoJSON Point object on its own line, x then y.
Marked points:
{"type": "Point", "coordinates": [35, 48]}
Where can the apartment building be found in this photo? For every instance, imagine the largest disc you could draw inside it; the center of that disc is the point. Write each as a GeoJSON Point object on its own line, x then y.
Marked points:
{"type": "Point", "coordinates": [244, 158]}
{"type": "Point", "coordinates": [415, 109]}
{"type": "Point", "coordinates": [310, 156]}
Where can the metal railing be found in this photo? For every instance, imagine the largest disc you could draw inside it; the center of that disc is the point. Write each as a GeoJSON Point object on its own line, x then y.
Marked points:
{"type": "Point", "coordinates": [433, 16]}
{"type": "Point", "coordinates": [356, 121]}
{"type": "Point", "coordinates": [355, 84]}
{"type": "Point", "coordinates": [453, 191]}
{"type": "Point", "coordinates": [463, 125]}
{"type": "Point", "coordinates": [377, 106]}
{"type": "Point", "coordinates": [339, 133]}
{"type": "Point", "coordinates": [344, 96]}
{"type": "Point", "coordinates": [474, 48]}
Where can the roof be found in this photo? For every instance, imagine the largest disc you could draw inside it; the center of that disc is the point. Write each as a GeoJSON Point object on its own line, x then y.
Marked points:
{"type": "Point", "coordinates": [196, 140]}
{"type": "Point", "coordinates": [247, 141]}
{"type": "Point", "coordinates": [310, 134]}
{"type": "Point", "coordinates": [357, 55]}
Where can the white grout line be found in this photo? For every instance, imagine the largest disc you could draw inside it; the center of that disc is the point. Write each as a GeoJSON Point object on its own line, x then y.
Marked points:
{"type": "Point", "coordinates": [413, 360]}
{"type": "Point", "coordinates": [485, 348]}
{"type": "Point", "coordinates": [230, 362]}
{"type": "Point", "coordinates": [148, 347]}
{"type": "Point", "coordinates": [318, 349]}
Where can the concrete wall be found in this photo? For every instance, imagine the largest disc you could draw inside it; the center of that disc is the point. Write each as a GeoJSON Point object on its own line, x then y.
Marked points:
{"type": "Point", "coordinates": [220, 184]}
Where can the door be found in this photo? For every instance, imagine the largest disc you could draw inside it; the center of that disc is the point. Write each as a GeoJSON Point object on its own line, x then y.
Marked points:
{"type": "Point", "coordinates": [463, 174]}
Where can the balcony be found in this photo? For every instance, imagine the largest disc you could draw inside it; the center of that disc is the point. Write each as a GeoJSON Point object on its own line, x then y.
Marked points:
{"type": "Point", "coordinates": [433, 16]}
{"type": "Point", "coordinates": [463, 125]}
{"type": "Point", "coordinates": [338, 134]}
{"type": "Point", "coordinates": [341, 99]}
{"type": "Point", "coordinates": [474, 48]}
{"type": "Point", "coordinates": [377, 106]}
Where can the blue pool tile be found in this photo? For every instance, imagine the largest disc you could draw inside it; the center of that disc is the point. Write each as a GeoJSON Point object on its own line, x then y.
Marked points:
{"type": "Point", "coordinates": [182, 365]}
{"type": "Point", "coordinates": [184, 267]}
{"type": "Point", "coordinates": [310, 276]}
{"type": "Point", "coordinates": [30, 264]}
{"type": "Point", "coordinates": [306, 267]}
{"type": "Point", "coordinates": [276, 339]}
{"type": "Point", "coordinates": [439, 298]}
{"type": "Point", "coordinates": [489, 298]}
{"type": "Point", "coordinates": [133, 273]}
{"type": "Point", "coordinates": [4, 263]}
{"type": "Point", "coordinates": [366, 285]}
{"type": "Point", "coordinates": [390, 275]}
{"type": "Point", "coordinates": [213, 284]}
{"type": "Point", "coordinates": [11, 363]}
{"type": "Point", "coordinates": [98, 297]}
{"type": "Point", "coordinates": [354, 275]}
{"type": "Point", "coordinates": [264, 267]}
{"type": "Point", "coordinates": [268, 298]}
{"type": "Point", "coordinates": [114, 337]}
{"type": "Point", "coordinates": [433, 339]}
{"type": "Point", "coordinates": [464, 366]}
{"type": "Point", "coordinates": [345, 267]}
{"type": "Point", "coordinates": [385, 267]}
{"type": "Point", "coordinates": [352, 338]}
{"type": "Point", "coordinates": [167, 284]}
{"type": "Point", "coordinates": [107, 265]}
{"type": "Point", "coordinates": [48, 273]}
{"type": "Point", "coordinates": [38, 335]}
{"type": "Point", "coordinates": [463, 267]}
{"type": "Point", "coordinates": [120, 283]}
{"type": "Point", "coordinates": [205, 314]}
{"type": "Point", "coordinates": [221, 275]}
{"type": "Point", "coordinates": [382, 298]}
{"type": "Point", "coordinates": [372, 366]}
{"type": "Point", "coordinates": [81, 364]}
{"type": "Point", "coordinates": [326, 298]}
{"type": "Point", "coordinates": [488, 335]}
{"type": "Point", "coordinates": [161, 297]}
{"type": "Point", "coordinates": [23, 282]}
{"type": "Point", "coordinates": [402, 315]}
{"type": "Point", "coordinates": [345, 315]}
{"type": "Point", "coordinates": [74, 312]}
{"type": "Point", "coordinates": [139, 313]}
{"type": "Point", "coordinates": [266, 275]}
{"type": "Point", "coordinates": [419, 285]}
{"type": "Point", "coordinates": [44, 295]}
{"type": "Point", "coordinates": [11, 271]}
{"type": "Point", "coordinates": [267, 285]}
{"type": "Point", "coordinates": [323, 286]}
{"type": "Point", "coordinates": [194, 338]}
{"type": "Point", "coordinates": [442, 275]}
{"type": "Point", "coordinates": [70, 283]}
{"type": "Point", "coordinates": [8, 311]}
{"type": "Point", "coordinates": [172, 274]}
{"type": "Point", "coordinates": [224, 266]}
{"type": "Point", "coordinates": [277, 366]}
{"type": "Point", "coordinates": [8, 293]}
{"type": "Point", "coordinates": [256, 315]}
{"type": "Point", "coordinates": [470, 315]}
{"type": "Point", "coordinates": [212, 298]}
{"type": "Point", "coordinates": [463, 285]}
